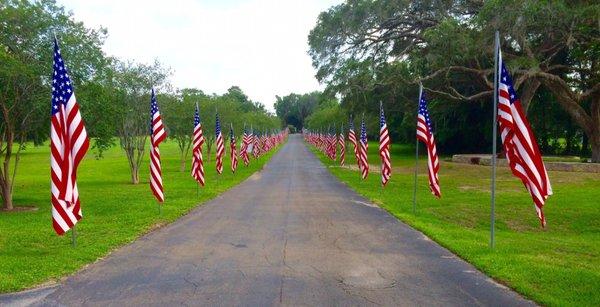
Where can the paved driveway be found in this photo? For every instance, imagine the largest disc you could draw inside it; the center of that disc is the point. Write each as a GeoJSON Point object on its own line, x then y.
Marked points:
{"type": "Point", "coordinates": [290, 235]}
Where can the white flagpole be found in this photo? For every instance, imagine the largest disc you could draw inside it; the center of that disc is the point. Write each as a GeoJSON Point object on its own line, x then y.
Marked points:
{"type": "Point", "coordinates": [494, 137]}
{"type": "Point", "coordinates": [417, 152]}
{"type": "Point", "coordinates": [73, 236]}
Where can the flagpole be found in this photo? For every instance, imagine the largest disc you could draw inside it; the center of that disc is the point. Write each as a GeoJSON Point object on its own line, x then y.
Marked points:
{"type": "Point", "coordinates": [73, 236]}
{"type": "Point", "coordinates": [417, 154]}
{"type": "Point", "coordinates": [381, 169]}
{"type": "Point", "coordinates": [494, 136]}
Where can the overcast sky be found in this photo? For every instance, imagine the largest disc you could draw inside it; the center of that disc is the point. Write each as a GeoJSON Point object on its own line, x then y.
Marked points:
{"type": "Point", "coordinates": [259, 45]}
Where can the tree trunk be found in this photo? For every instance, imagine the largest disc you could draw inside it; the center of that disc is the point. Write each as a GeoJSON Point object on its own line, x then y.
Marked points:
{"type": "Point", "coordinates": [7, 202]}
{"type": "Point", "coordinates": [5, 177]}
{"type": "Point", "coordinates": [589, 123]}
{"type": "Point", "coordinates": [208, 147]}
{"type": "Point", "coordinates": [135, 175]}
{"type": "Point", "coordinates": [595, 144]}
{"type": "Point", "coordinates": [529, 89]}
{"type": "Point", "coordinates": [183, 162]}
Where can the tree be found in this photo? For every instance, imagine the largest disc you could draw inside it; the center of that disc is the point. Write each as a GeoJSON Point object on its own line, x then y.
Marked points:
{"type": "Point", "coordinates": [327, 119]}
{"type": "Point", "coordinates": [449, 46]}
{"type": "Point", "coordinates": [293, 109]}
{"type": "Point", "coordinates": [133, 83]}
{"type": "Point", "coordinates": [26, 33]}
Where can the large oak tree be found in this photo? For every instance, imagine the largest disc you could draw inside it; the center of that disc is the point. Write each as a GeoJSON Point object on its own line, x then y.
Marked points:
{"type": "Point", "coordinates": [448, 45]}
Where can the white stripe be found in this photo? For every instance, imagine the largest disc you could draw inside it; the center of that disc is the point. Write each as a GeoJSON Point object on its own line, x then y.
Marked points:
{"type": "Point", "coordinates": [78, 143]}
{"type": "Point", "coordinates": [59, 220]}
{"type": "Point", "coordinates": [158, 134]}
{"type": "Point", "coordinates": [527, 159]}
{"type": "Point", "coordinates": [521, 126]}
{"type": "Point", "coordinates": [74, 123]}
{"type": "Point", "coordinates": [505, 115]}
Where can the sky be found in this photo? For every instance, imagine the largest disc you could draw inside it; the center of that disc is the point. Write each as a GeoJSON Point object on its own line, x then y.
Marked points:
{"type": "Point", "coordinates": [259, 45]}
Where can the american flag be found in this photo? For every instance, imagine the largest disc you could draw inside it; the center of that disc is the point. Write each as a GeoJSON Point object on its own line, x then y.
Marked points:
{"type": "Point", "coordinates": [220, 145]}
{"type": "Point", "coordinates": [246, 140]}
{"type": "Point", "coordinates": [264, 142]}
{"type": "Point", "coordinates": [520, 146]}
{"type": "Point", "coordinates": [331, 141]}
{"type": "Point", "coordinates": [198, 141]}
{"type": "Point", "coordinates": [363, 149]}
{"type": "Point", "coordinates": [384, 148]}
{"type": "Point", "coordinates": [68, 145]}
{"type": "Point", "coordinates": [342, 142]}
{"type": "Point", "coordinates": [425, 135]}
{"type": "Point", "coordinates": [352, 139]}
{"type": "Point", "coordinates": [256, 146]}
{"type": "Point", "coordinates": [233, 151]}
{"type": "Point", "coordinates": [157, 135]}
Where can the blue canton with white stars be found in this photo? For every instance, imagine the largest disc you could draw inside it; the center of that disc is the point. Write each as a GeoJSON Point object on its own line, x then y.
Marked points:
{"type": "Point", "coordinates": [423, 111]}
{"type": "Point", "coordinates": [153, 109]}
{"type": "Point", "coordinates": [381, 118]}
{"type": "Point", "coordinates": [231, 137]}
{"type": "Point", "coordinates": [507, 80]}
{"type": "Point", "coordinates": [196, 117]}
{"type": "Point", "coordinates": [218, 126]}
{"type": "Point", "coordinates": [363, 132]}
{"type": "Point", "coordinates": [62, 87]}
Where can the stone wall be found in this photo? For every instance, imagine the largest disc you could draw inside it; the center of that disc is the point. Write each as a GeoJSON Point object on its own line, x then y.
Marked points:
{"type": "Point", "coordinates": [551, 166]}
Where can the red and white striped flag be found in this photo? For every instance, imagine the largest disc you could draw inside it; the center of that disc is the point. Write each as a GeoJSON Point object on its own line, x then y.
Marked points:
{"type": "Point", "coordinates": [425, 135]}
{"type": "Point", "coordinates": [363, 149]}
{"type": "Point", "coordinates": [233, 151]}
{"type": "Point", "coordinates": [384, 148]}
{"type": "Point", "coordinates": [342, 142]}
{"type": "Point", "coordinates": [246, 140]}
{"type": "Point", "coordinates": [520, 146]}
{"type": "Point", "coordinates": [255, 146]}
{"type": "Point", "coordinates": [352, 139]}
{"type": "Point", "coordinates": [197, 142]}
{"type": "Point", "coordinates": [220, 145]}
{"type": "Point", "coordinates": [157, 135]}
{"type": "Point", "coordinates": [68, 145]}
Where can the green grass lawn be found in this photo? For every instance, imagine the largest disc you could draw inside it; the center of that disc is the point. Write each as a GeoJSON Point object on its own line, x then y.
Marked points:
{"type": "Point", "coordinates": [558, 265]}
{"type": "Point", "coordinates": [115, 212]}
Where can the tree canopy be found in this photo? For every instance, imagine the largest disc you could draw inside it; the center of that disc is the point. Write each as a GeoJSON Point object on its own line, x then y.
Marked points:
{"type": "Point", "coordinates": [114, 94]}
{"type": "Point", "coordinates": [363, 49]}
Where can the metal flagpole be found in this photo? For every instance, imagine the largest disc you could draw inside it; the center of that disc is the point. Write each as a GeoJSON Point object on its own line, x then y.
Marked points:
{"type": "Point", "coordinates": [73, 236]}
{"type": "Point", "coordinates": [417, 153]}
{"type": "Point", "coordinates": [494, 136]}
{"type": "Point", "coordinates": [381, 170]}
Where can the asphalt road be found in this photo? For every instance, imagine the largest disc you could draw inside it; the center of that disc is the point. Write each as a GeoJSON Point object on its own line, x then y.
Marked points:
{"type": "Point", "coordinates": [290, 235]}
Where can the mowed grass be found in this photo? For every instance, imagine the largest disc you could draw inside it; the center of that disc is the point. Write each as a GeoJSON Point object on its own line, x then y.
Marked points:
{"type": "Point", "coordinates": [558, 265]}
{"type": "Point", "coordinates": [115, 212]}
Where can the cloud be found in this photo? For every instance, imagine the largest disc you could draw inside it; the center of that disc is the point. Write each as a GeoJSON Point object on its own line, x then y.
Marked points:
{"type": "Point", "coordinates": [259, 45]}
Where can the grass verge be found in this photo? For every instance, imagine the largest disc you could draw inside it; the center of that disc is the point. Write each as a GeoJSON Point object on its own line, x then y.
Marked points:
{"type": "Point", "coordinates": [558, 265]}
{"type": "Point", "coordinates": [115, 212]}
